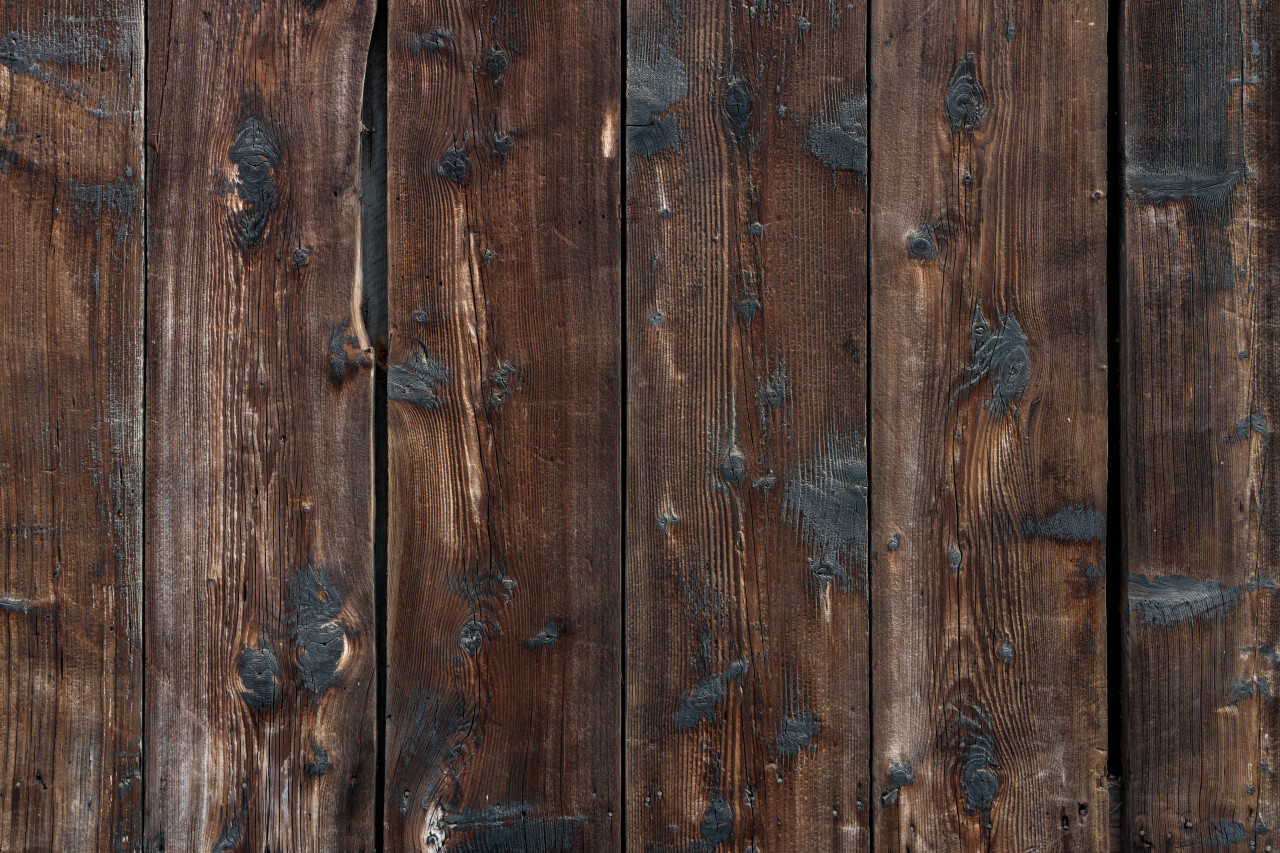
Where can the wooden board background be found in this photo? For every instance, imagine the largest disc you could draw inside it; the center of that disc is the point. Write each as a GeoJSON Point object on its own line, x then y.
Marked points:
{"type": "Point", "coordinates": [71, 318]}
{"type": "Point", "coordinates": [747, 713]}
{"type": "Point", "coordinates": [797, 532]}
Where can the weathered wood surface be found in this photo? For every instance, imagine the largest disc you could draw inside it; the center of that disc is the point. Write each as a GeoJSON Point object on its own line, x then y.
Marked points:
{"type": "Point", "coordinates": [989, 425]}
{"type": "Point", "coordinates": [1201, 396]}
{"type": "Point", "coordinates": [504, 414]}
{"type": "Point", "coordinates": [71, 239]}
{"type": "Point", "coordinates": [747, 716]}
{"type": "Point", "coordinates": [259, 594]}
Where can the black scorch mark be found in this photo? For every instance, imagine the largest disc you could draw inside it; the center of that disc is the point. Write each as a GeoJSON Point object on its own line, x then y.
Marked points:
{"type": "Point", "coordinates": [966, 102]}
{"type": "Point", "coordinates": [921, 243]}
{"type": "Point", "coordinates": [118, 199]}
{"type": "Point", "coordinates": [955, 559]}
{"type": "Point", "coordinates": [841, 144]}
{"type": "Point", "coordinates": [505, 829]}
{"type": "Point", "coordinates": [717, 823]}
{"type": "Point", "coordinates": [733, 467]}
{"type": "Point", "coordinates": [1072, 524]}
{"type": "Point", "coordinates": [901, 774]}
{"type": "Point", "coordinates": [346, 356]}
{"type": "Point", "coordinates": [979, 782]}
{"type": "Point", "coordinates": [700, 702]}
{"type": "Point", "coordinates": [748, 307]}
{"type": "Point", "coordinates": [738, 106]}
{"type": "Point", "coordinates": [797, 733]}
{"type": "Point", "coordinates": [455, 165]}
{"type": "Point", "coordinates": [502, 380]}
{"type": "Point", "coordinates": [548, 636]}
{"type": "Point", "coordinates": [1156, 187]}
{"type": "Point", "coordinates": [472, 637]}
{"type": "Point", "coordinates": [433, 42]}
{"type": "Point", "coordinates": [233, 825]}
{"type": "Point", "coordinates": [1000, 354]}
{"type": "Point", "coordinates": [895, 541]}
{"type": "Point", "coordinates": [1247, 689]}
{"type": "Point", "coordinates": [417, 379]}
{"type": "Point", "coordinates": [654, 84]}
{"type": "Point", "coordinates": [319, 636]}
{"type": "Point", "coordinates": [257, 156]}
{"type": "Point", "coordinates": [1225, 833]}
{"type": "Point", "coordinates": [1171, 599]}
{"type": "Point", "coordinates": [320, 764]}
{"type": "Point", "coordinates": [260, 674]}
{"type": "Point", "coordinates": [496, 64]}
{"type": "Point", "coordinates": [1255, 424]}
{"type": "Point", "coordinates": [827, 499]}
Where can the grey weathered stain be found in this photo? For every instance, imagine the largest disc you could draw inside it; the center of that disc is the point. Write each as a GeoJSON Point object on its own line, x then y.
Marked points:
{"type": "Point", "coordinates": [118, 198]}
{"type": "Point", "coordinates": [319, 635]}
{"type": "Point", "coordinates": [827, 499]}
{"type": "Point", "coordinates": [1073, 524]}
{"type": "Point", "coordinates": [841, 144]}
{"type": "Point", "coordinates": [1170, 599]}
{"type": "Point", "coordinates": [257, 155]}
{"type": "Point", "coordinates": [654, 84]}
{"type": "Point", "coordinates": [417, 380]}
{"type": "Point", "coordinates": [700, 703]}
{"type": "Point", "coordinates": [772, 393]}
{"type": "Point", "coordinates": [1225, 833]}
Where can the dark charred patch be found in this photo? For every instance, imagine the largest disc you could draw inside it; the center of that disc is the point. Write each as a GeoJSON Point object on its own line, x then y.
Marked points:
{"type": "Point", "coordinates": [433, 42]}
{"type": "Point", "coordinates": [455, 165]}
{"type": "Point", "coordinates": [1001, 355]}
{"type": "Point", "coordinates": [233, 825]}
{"type": "Point", "coordinates": [117, 199]}
{"type": "Point", "coordinates": [1242, 690]}
{"type": "Point", "coordinates": [979, 781]}
{"type": "Point", "coordinates": [655, 318]}
{"type": "Point", "coordinates": [319, 636]}
{"type": "Point", "coordinates": [797, 733]}
{"type": "Point", "coordinates": [1006, 651]}
{"type": "Point", "coordinates": [1154, 187]}
{"type": "Point", "coordinates": [1225, 833]}
{"type": "Point", "coordinates": [802, 24]}
{"type": "Point", "coordinates": [260, 674]}
{"type": "Point", "coordinates": [256, 153]}
{"type": "Point", "coordinates": [717, 822]}
{"type": "Point", "coordinates": [320, 764]}
{"type": "Point", "coordinates": [1170, 599]}
{"type": "Point", "coordinates": [748, 307]}
{"type": "Point", "coordinates": [766, 482]}
{"type": "Point", "coordinates": [346, 356]}
{"type": "Point", "coordinates": [921, 243]}
{"type": "Point", "coordinates": [301, 256]}
{"type": "Point", "coordinates": [772, 394]}
{"type": "Point", "coordinates": [1254, 424]}
{"type": "Point", "coordinates": [502, 381]}
{"type": "Point", "coordinates": [506, 829]}
{"type": "Point", "coordinates": [700, 702]}
{"type": "Point", "coordinates": [823, 573]}
{"type": "Point", "coordinates": [548, 636]}
{"type": "Point", "coordinates": [1072, 524]}
{"type": "Point", "coordinates": [502, 144]}
{"type": "Point", "coordinates": [965, 104]}
{"type": "Point", "coordinates": [666, 521]}
{"type": "Point", "coordinates": [827, 499]}
{"type": "Point", "coordinates": [471, 637]}
{"type": "Point", "coordinates": [417, 379]}
{"type": "Point", "coordinates": [1010, 30]}
{"type": "Point", "coordinates": [733, 467]}
{"type": "Point", "coordinates": [895, 541]}
{"type": "Point", "coordinates": [901, 775]}
{"type": "Point", "coordinates": [738, 106]}
{"type": "Point", "coordinates": [955, 559]}
{"type": "Point", "coordinates": [654, 83]}
{"type": "Point", "coordinates": [841, 144]}
{"type": "Point", "coordinates": [496, 63]}
{"type": "Point", "coordinates": [15, 605]}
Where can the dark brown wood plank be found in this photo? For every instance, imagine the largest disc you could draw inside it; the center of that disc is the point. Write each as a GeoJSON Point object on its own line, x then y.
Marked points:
{"type": "Point", "coordinates": [71, 285]}
{"type": "Point", "coordinates": [504, 400]}
{"type": "Point", "coordinates": [989, 424]}
{"type": "Point", "coordinates": [747, 715]}
{"type": "Point", "coordinates": [1201, 362]}
{"type": "Point", "coordinates": [259, 595]}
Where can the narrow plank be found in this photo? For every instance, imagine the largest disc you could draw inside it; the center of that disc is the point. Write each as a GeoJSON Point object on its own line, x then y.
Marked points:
{"type": "Point", "coordinates": [259, 596]}
{"type": "Point", "coordinates": [747, 712]}
{"type": "Point", "coordinates": [71, 285]}
{"type": "Point", "coordinates": [989, 424]}
{"type": "Point", "coordinates": [504, 399]}
{"type": "Point", "coordinates": [1201, 360]}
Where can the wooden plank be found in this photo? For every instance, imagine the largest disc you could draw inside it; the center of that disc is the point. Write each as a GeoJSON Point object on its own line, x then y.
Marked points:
{"type": "Point", "coordinates": [259, 597]}
{"type": "Point", "coordinates": [504, 399]}
{"type": "Point", "coordinates": [71, 286]}
{"type": "Point", "coordinates": [989, 424]}
{"type": "Point", "coordinates": [1200, 333]}
{"type": "Point", "coordinates": [747, 714]}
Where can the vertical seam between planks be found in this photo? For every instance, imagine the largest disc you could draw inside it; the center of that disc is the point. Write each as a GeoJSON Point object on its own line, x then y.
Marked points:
{"type": "Point", "coordinates": [872, 813]}
{"type": "Point", "coordinates": [1116, 611]}
{"type": "Point", "coordinates": [144, 46]}
{"type": "Point", "coordinates": [624, 456]}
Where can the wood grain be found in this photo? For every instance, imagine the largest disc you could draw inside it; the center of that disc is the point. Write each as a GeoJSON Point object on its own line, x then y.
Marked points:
{"type": "Point", "coordinates": [989, 425]}
{"type": "Point", "coordinates": [71, 285]}
{"type": "Point", "coordinates": [259, 595]}
{"type": "Point", "coordinates": [504, 415]}
{"type": "Point", "coordinates": [1200, 398]}
{"type": "Point", "coordinates": [747, 715]}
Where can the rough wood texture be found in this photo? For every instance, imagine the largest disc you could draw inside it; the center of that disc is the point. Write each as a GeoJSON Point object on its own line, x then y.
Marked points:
{"type": "Point", "coordinates": [504, 400]}
{"type": "Point", "coordinates": [989, 425]}
{"type": "Point", "coordinates": [259, 594]}
{"type": "Point", "coordinates": [71, 289]}
{"type": "Point", "coordinates": [747, 717]}
{"type": "Point", "coordinates": [1201, 396]}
